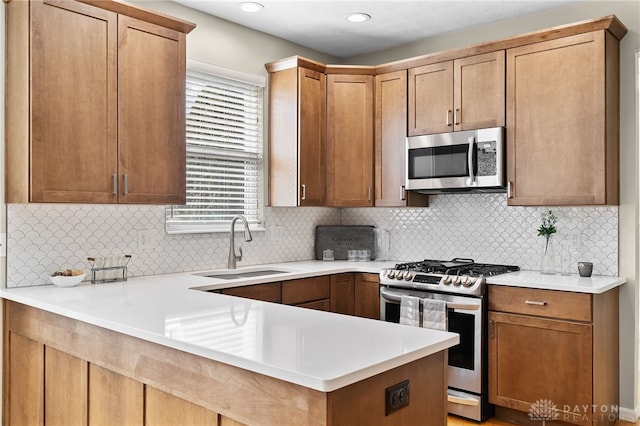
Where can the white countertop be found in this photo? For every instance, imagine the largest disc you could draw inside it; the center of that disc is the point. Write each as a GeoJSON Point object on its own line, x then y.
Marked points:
{"type": "Point", "coordinates": [318, 350]}
{"type": "Point", "coordinates": [574, 282]}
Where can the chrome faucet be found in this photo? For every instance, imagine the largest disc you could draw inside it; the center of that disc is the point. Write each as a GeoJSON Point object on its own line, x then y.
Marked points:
{"type": "Point", "coordinates": [247, 237]}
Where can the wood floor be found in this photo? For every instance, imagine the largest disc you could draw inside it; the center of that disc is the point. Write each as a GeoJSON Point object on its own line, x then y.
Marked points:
{"type": "Point", "coordinates": [459, 421]}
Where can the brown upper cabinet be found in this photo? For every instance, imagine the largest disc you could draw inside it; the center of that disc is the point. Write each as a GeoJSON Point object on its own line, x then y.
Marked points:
{"type": "Point", "coordinates": [350, 140]}
{"type": "Point", "coordinates": [556, 91]}
{"type": "Point", "coordinates": [463, 94]}
{"type": "Point", "coordinates": [81, 124]}
{"type": "Point", "coordinates": [390, 133]}
{"type": "Point", "coordinates": [297, 135]}
{"type": "Point", "coordinates": [562, 121]}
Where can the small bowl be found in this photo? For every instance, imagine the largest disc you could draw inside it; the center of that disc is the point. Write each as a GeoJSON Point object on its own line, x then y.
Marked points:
{"type": "Point", "coordinates": [62, 281]}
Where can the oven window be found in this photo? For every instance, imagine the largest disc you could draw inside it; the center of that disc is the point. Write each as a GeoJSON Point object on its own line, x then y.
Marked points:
{"type": "Point", "coordinates": [461, 355]}
{"type": "Point", "coordinates": [392, 312]}
{"type": "Point", "coordinates": [438, 162]}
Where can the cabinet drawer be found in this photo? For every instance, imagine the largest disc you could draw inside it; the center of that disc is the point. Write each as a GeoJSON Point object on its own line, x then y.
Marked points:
{"type": "Point", "coordinates": [319, 305]}
{"type": "Point", "coordinates": [265, 292]}
{"type": "Point", "coordinates": [306, 290]}
{"type": "Point", "coordinates": [544, 303]}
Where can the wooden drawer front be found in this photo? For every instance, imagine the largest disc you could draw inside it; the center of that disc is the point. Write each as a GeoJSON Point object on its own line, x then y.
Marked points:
{"type": "Point", "coordinates": [306, 290]}
{"type": "Point", "coordinates": [544, 303]}
{"type": "Point", "coordinates": [266, 292]}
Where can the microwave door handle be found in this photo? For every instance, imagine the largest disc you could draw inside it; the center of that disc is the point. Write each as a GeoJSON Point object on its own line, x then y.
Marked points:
{"type": "Point", "coordinates": [471, 179]}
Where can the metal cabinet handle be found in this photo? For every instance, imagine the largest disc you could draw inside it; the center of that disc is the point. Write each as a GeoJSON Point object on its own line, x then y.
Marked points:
{"type": "Point", "coordinates": [535, 302]}
{"type": "Point", "coordinates": [509, 192]}
{"type": "Point", "coordinates": [492, 329]}
{"type": "Point", "coordinates": [456, 117]}
{"type": "Point", "coordinates": [125, 184]}
{"type": "Point", "coordinates": [448, 118]}
{"type": "Point", "coordinates": [369, 194]}
{"type": "Point", "coordinates": [114, 178]}
{"type": "Point", "coordinates": [304, 191]}
{"type": "Point", "coordinates": [402, 193]}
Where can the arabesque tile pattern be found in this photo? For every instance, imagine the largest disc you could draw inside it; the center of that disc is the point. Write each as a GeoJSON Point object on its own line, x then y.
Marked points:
{"type": "Point", "coordinates": [45, 237]}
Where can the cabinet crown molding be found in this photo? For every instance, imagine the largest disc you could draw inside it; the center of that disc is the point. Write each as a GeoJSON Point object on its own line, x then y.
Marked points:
{"type": "Point", "coordinates": [608, 23]}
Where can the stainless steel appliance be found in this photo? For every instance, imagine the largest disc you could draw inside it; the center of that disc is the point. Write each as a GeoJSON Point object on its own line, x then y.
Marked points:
{"type": "Point", "coordinates": [462, 284]}
{"type": "Point", "coordinates": [472, 160]}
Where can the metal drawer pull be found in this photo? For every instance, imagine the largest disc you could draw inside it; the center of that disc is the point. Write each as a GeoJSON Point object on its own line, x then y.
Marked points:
{"type": "Point", "coordinates": [535, 302]}
{"type": "Point", "coordinates": [304, 191]}
{"type": "Point", "coordinates": [448, 118]}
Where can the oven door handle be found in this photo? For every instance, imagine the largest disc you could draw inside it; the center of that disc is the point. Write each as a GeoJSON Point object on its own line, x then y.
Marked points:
{"type": "Point", "coordinates": [463, 401]}
{"type": "Point", "coordinates": [395, 297]}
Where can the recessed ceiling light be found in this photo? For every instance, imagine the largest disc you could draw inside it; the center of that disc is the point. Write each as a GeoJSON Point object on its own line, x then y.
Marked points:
{"type": "Point", "coordinates": [358, 17]}
{"type": "Point", "coordinates": [251, 6]}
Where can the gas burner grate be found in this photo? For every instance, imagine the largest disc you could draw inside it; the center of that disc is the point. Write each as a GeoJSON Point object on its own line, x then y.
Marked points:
{"type": "Point", "coordinates": [456, 266]}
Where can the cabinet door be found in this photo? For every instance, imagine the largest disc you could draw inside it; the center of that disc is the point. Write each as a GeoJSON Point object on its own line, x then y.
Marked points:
{"type": "Point", "coordinates": [162, 408]}
{"type": "Point", "coordinates": [367, 296]}
{"type": "Point", "coordinates": [74, 105]}
{"type": "Point", "coordinates": [479, 86]}
{"type": "Point", "coordinates": [343, 294]}
{"type": "Point", "coordinates": [24, 375]}
{"type": "Point", "coordinates": [559, 148]}
{"type": "Point", "coordinates": [431, 99]}
{"type": "Point", "coordinates": [312, 138]}
{"type": "Point", "coordinates": [390, 134]}
{"type": "Point", "coordinates": [65, 388]}
{"type": "Point", "coordinates": [533, 359]}
{"type": "Point", "coordinates": [297, 138]}
{"type": "Point", "coordinates": [114, 398]}
{"type": "Point", "coordinates": [350, 140]}
{"type": "Point", "coordinates": [151, 113]}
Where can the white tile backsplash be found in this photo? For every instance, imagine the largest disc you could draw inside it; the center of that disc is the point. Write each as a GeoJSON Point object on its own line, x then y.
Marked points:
{"type": "Point", "coordinates": [42, 238]}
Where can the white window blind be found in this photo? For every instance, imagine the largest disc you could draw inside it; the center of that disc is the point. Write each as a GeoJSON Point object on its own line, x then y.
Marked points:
{"type": "Point", "coordinates": [224, 150]}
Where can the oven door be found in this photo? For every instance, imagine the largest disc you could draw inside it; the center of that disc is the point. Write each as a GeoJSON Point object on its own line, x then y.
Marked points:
{"type": "Point", "coordinates": [455, 161]}
{"type": "Point", "coordinates": [464, 316]}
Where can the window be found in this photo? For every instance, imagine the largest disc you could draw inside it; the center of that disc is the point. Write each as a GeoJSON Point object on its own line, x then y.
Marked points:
{"type": "Point", "coordinates": [224, 151]}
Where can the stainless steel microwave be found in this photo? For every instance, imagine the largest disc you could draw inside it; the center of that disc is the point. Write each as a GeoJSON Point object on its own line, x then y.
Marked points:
{"type": "Point", "coordinates": [471, 160]}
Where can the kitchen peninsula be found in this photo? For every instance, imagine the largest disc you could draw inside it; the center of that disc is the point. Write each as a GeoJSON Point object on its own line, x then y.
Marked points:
{"type": "Point", "coordinates": [156, 347]}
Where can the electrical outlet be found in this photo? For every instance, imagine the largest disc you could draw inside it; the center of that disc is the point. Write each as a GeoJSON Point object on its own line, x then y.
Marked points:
{"type": "Point", "coordinates": [396, 397]}
{"type": "Point", "coordinates": [145, 239]}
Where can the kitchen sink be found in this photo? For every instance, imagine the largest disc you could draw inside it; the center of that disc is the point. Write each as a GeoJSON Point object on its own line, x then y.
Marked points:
{"type": "Point", "coordinates": [231, 275]}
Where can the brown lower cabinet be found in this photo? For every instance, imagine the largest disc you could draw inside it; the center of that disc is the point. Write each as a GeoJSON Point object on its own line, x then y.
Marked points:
{"type": "Point", "coordinates": [348, 293]}
{"type": "Point", "coordinates": [553, 347]}
{"type": "Point", "coordinates": [60, 371]}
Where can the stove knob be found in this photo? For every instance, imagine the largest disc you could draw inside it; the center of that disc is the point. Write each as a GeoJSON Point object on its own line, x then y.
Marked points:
{"type": "Point", "coordinates": [391, 274]}
{"type": "Point", "coordinates": [467, 281]}
{"type": "Point", "coordinates": [407, 276]}
{"type": "Point", "coordinates": [446, 280]}
{"type": "Point", "coordinates": [456, 280]}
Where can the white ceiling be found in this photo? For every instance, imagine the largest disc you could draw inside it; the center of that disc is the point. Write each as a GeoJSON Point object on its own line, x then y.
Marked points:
{"type": "Point", "coordinates": [322, 24]}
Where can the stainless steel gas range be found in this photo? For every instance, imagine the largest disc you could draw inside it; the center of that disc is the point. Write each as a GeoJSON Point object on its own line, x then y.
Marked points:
{"type": "Point", "coordinates": [461, 283]}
